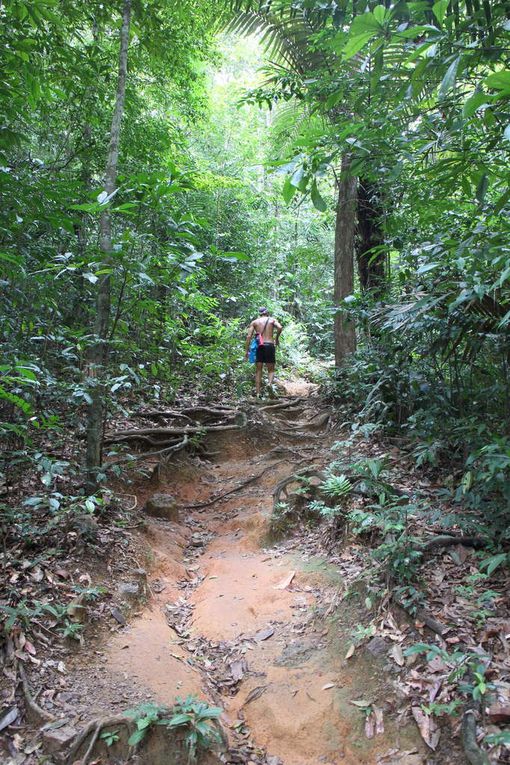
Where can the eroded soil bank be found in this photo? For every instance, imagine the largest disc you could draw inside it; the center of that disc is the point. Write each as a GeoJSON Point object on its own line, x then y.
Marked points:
{"type": "Point", "coordinates": [261, 629]}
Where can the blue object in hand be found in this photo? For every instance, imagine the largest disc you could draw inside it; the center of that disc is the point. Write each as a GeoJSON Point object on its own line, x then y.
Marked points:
{"type": "Point", "coordinates": [252, 354]}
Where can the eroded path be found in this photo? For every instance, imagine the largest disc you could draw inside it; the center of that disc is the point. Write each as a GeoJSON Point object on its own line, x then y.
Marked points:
{"type": "Point", "coordinates": [254, 626]}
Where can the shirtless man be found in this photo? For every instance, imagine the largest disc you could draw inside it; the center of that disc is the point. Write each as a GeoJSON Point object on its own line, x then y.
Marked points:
{"type": "Point", "coordinates": [270, 329]}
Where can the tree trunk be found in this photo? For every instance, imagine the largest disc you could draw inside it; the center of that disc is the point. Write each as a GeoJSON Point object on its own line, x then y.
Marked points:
{"type": "Point", "coordinates": [371, 262]}
{"type": "Point", "coordinates": [345, 336]}
{"type": "Point", "coordinates": [98, 355]}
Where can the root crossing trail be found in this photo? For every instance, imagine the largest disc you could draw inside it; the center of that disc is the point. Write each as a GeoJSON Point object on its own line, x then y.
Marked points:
{"type": "Point", "coordinates": [254, 626]}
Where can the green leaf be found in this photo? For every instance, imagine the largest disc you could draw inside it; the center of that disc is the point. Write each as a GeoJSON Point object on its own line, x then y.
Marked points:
{"type": "Point", "coordinates": [499, 80]}
{"type": "Point", "coordinates": [492, 563]}
{"type": "Point", "coordinates": [501, 202]}
{"type": "Point", "coordinates": [136, 737]}
{"type": "Point", "coordinates": [237, 256]}
{"type": "Point", "coordinates": [506, 133]}
{"type": "Point", "coordinates": [439, 10]}
{"type": "Point", "coordinates": [381, 14]}
{"type": "Point", "coordinates": [8, 257]}
{"type": "Point", "coordinates": [297, 177]}
{"type": "Point", "coordinates": [473, 103]}
{"type": "Point", "coordinates": [355, 44]}
{"type": "Point", "coordinates": [412, 32]}
{"type": "Point", "coordinates": [179, 719]}
{"type": "Point", "coordinates": [365, 22]}
{"type": "Point", "coordinates": [317, 200]}
{"type": "Point", "coordinates": [449, 79]}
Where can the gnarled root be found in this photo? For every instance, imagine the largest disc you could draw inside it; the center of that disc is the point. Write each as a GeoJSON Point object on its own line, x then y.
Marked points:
{"type": "Point", "coordinates": [94, 729]}
{"type": "Point", "coordinates": [29, 699]}
{"type": "Point", "coordinates": [474, 755]}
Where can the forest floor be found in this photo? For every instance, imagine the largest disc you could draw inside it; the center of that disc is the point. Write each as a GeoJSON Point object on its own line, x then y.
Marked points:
{"type": "Point", "coordinates": [262, 629]}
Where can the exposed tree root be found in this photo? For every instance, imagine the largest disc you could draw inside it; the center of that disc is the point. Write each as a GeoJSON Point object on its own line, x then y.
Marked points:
{"type": "Point", "coordinates": [422, 616]}
{"type": "Point", "coordinates": [146, 433]}
{"type": "Point", "coordinates": [94, 727]}
{"type": "Point", "coordinates": [29, 699]}
{"type": "Point", "coordinates": [161, 452]}
{"type": "Point", "coordinates": [474, 755]}
{"type": "Point", "coordinates": [446, 541]}
{"type": "Point", "coordinates": [281, 487]}
{"type": "Point", "coordinates": [297, 402]}
{"type": "Point", "coordinates": [240, 486]}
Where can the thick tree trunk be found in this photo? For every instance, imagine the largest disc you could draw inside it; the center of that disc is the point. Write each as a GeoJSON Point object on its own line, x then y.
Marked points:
{"type": "Point", "coordinates": [345, 335]}
{"type": "Point", "coordinates": [371, 263]}
{"type": "Point", "coordinates": [103, 299]}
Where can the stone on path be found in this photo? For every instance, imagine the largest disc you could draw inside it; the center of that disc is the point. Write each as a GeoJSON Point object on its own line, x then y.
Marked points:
{"type": "Point", "coordinates": [377, 646]}
{"type": "Point", "coordinates": [58, 739]}
{"type": "Point", "coordinates": [163, 506]}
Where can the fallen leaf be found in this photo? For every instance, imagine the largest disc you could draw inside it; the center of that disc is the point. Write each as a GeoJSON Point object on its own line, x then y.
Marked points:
{"type": "Point", "coordinates": [285, 582]}
{"type": "Point", "coordinates": [30, 648]}
{"type": "Point", "coordinates": [397, 654]}
{"type": "Point", "coordinates": [254, 694]}
{"type": "Point", "coordinates": [328, 686]}
{"type": "Point", "coordinates": [264, 634]}
{"type": "Point", "coordinates": [437, 665]}
{"type": "Point", "coordinates": [498, 713]}
{"type": "Point", "coordinates": [350, 651]}
{"type": "Point", "coordinates": [370, 725]}
{"type": "Point", "coordinates": [428, 728]}
{"type": "Point", "coordinates": [237, 669]}
{"type": "Point", "coordinates": [362, 704]}
{"type": "Point", "coordinates": [9, 718]}
{"type": "Point", "coordinates": [379, 720]}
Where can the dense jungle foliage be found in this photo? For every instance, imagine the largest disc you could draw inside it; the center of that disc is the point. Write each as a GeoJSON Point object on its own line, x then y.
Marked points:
{"type": "Point", "coordinates": [167, 167]}
{"type": "Point", "coordinates": [236, 131]}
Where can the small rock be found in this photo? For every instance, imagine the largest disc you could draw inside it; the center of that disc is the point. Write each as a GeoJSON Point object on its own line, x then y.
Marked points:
{"type": "Point", "coordinates": [58, 739]}
{"type": "Point", "coordinates": [377, 646]}
{"type": "Point", "coordinates": [163, 506]}
{"type": "Point", "coordinates": [118, 616]}
{"type": "Point", "coordinates": [129, 591]}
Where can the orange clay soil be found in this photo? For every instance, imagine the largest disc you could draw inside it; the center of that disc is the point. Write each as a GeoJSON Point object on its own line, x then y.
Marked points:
{"type": "Point", "coordinates": [302, 710]}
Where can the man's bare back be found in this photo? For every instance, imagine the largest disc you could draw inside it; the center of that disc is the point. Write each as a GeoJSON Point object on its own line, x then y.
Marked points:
{"type": "Point", "coordinates": [265, 326]}
{"type": "Point", "coordinates": [270, 329]}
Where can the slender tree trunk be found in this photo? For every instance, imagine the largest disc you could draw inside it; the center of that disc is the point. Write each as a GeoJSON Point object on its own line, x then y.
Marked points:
{"type": "Point", "coordinates": [372, 265]}
{"type": "Point", "coordinates": [98, 354]}
{"type": "Point", "coordinates": [345, 335]}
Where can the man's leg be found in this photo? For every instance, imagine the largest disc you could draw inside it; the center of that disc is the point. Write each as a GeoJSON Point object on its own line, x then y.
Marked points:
{"type": "Point", "coordinates": [258, 377]}
{"type": "Point", "coordinates": [270, 372]}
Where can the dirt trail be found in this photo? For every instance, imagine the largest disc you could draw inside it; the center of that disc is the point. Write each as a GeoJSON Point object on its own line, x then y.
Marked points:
{"type": "Point", "coordinates": [267, 612]}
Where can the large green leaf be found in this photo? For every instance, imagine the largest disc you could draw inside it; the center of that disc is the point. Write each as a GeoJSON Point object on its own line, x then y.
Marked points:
{"type": "Point", "coordinates": [499, 80]}
{"type": "Point", "coordinates": [318, 201]}
{"type": "Point", "coordinates": [448, 81]}
{"type": "Point", "coordinates": [356, 43]}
